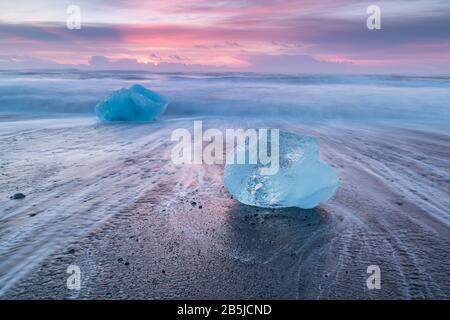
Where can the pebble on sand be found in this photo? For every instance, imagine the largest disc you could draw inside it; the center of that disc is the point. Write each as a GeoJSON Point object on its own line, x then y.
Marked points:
{"type": "Point", "coordinates": [18, 196]}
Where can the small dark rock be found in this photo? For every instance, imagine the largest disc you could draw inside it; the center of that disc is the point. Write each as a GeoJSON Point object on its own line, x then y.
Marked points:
{"type": "Point", "coordinates": [399, 203]}
{"type": "Point", "coordinates": [127, 263]}
{"type": "Point", "coordinates": [193, 203]}
{"type": "Point", "coordinates": [18, 196]}
{"type": "Point", "coordinates": [200, 207]}
{"type": "Point", "coordinates": [120, 260]}
{"type": "Point", "coordinates": [71, 251]}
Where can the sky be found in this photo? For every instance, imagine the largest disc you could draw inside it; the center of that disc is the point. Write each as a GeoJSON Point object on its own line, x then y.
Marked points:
{"type": "Point", "coordinates": [323, 36]}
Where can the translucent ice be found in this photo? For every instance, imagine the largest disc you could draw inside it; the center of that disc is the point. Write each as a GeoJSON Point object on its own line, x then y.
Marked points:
{"type": "Point", "coordinates": [136, 104]}
{"type": "Point", "coordinates": [302, 180]}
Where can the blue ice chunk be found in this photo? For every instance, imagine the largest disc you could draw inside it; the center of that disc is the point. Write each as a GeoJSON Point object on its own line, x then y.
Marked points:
{"type": "Point", "coordinates": [302, 180]}
{"type": "Point", "coordinates": [136, 104]}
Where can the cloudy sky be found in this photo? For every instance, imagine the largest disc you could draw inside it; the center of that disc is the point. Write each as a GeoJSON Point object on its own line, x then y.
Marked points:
{"type": "Point", "coordinates": [236, 35]}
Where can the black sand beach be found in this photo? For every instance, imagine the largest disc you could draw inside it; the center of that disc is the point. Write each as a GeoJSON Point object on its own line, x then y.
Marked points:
{"type": "Point", "coordinates": [108, 199]}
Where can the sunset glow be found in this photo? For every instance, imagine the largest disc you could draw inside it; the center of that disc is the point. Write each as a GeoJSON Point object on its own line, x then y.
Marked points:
{"type": "Point", "coordinates": [248, 35]}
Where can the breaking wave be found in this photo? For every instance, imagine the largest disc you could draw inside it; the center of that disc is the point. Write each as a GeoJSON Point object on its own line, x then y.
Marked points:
{"type": "Point", "coordinates": [235, 94]}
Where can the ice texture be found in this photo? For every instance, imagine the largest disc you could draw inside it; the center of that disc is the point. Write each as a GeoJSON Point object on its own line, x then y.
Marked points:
{"type": "Point", "coordinates": [302, 180]}
{"type": "Point", "coordinates": [136, 104]}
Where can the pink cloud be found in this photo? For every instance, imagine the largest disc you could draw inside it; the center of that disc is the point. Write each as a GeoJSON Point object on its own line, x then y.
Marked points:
{"type": "Point", "coordinates": [238, 34]}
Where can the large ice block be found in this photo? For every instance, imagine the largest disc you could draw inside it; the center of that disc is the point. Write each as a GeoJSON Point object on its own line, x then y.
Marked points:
{"type": "Point", "coordinates": [136, 104]}
{"type": "Point", "coordinates": [302, 180]}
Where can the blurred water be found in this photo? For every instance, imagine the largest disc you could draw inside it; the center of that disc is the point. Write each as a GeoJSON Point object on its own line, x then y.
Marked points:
{"type": "Point", "coordinates": [244, 94]}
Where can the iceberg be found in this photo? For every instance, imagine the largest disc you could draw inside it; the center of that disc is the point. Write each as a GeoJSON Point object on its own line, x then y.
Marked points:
{"type": "Point", "coordinates": [302, 179]}
{"type": "Point", "coordinates": [136, 104]}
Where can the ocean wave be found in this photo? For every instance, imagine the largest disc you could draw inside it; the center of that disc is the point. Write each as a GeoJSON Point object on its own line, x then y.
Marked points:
{"type": "Point", "coordinates": [242, 94]}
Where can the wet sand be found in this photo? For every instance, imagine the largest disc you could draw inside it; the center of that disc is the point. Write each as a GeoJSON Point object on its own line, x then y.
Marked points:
{"type": "Point", "coordinates": [108, 199]}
